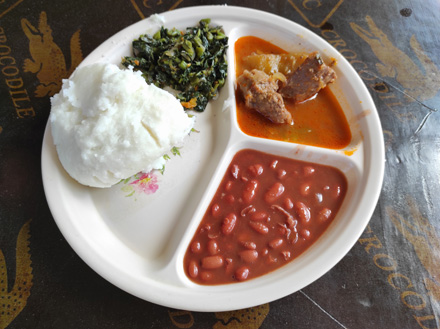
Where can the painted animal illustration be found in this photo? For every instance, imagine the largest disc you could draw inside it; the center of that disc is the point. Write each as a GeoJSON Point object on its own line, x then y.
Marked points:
{"type": "Point", "coordinates": [250, 318]}
{"type": "Point", "coordinates": [13, 302]}
{"type": "Point", "coordinates": [422, 235]}
{"type": "Point", "coordinates": [48, 61]}
{"type": "Point", "coordinates": [422, 83]}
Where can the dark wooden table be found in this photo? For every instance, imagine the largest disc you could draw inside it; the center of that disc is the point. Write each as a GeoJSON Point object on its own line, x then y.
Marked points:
{"type": "Point", "coordinates": [389, 279]}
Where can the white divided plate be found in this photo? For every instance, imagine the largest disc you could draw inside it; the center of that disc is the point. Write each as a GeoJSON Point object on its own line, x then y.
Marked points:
{"type": "Point", "coordinates": [136, 239]}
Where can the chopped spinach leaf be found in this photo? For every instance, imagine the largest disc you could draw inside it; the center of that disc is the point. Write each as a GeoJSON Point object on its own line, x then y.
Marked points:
{"type": "Point", "coordinates": [192, 62]}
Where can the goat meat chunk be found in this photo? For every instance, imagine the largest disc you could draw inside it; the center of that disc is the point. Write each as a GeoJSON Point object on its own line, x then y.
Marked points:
{"type": "Point", "coordinates": [260, 93]}
{"type": "Point", "coordinates": [308, 79]}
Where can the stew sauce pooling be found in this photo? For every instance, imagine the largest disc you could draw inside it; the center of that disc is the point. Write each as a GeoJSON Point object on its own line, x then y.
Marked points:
{"type": "Point", "coordinates": [319, 121]}
{"type": "Point", "coordinates": [267, 210]}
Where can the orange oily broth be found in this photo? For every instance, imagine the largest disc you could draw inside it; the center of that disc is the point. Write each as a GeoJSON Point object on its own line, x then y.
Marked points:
{"type": "Point", "coordinates": [318, 122]}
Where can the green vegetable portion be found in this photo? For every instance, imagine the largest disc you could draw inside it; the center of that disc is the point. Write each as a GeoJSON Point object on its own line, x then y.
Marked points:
{"type": "Point", "coordinates": [192, 62]}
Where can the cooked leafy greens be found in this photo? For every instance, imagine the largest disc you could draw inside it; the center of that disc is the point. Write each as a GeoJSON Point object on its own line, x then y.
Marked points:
{"type": "Point", "coordinates": [192, 62]}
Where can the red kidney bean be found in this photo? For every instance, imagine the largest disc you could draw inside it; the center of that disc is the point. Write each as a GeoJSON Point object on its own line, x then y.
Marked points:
{"type": "Point", "coordinates": [305, 189]}
{"type": "Point", "coordinates": [305, 233]}
{"type": "Point", "coordinates": [308, 170]}
{"type": "Point", "coordinates": [259, 227]}
{"type": "Point", "coordinates": [249, 245]}
{"type": "Point", "coordinates": [229, 224]}
{"type": "Point", "coordinates": [302, 211]}
{"type": "Point", "coordinates": [229, 198]}
{"type": "Point", "coordinates": [206, 228]}
{"type": "Point", "coordinates": [212, 247]}
{"type": "Point", "coordinates": [229, 265]}
{"type": "Point", "coordinates": [274, 164]}
{"type": "Point", "coordinates": [249, 191]}
{"type": "Point", "coordinates": [259, 216]}
{"type": "Point", "coordinates": [235, 171]}
{"type": "Point", "coordinates": [284, 230]}
{"type": "Point", "coordinates": [281, 173]}
{"type": "Point", "coordinates": [242, 273]}
{"type": "Point", "coordinates": [249, 256]}
{"type": "Point", "coordinates": [247, 210]}
{"type": "Point", "coordinates": [193, 269]}
{"type": "Point", "coordinates": [215, 210]}
{"type": "Point", "coordinates": [196, 247]}
{"type": "Point", "coordinates": [228, 186]}
{"type": "Point", "coordinates": [324, 214]}
{"type": "Point", "coordinates": [286, 254]}
{"type": "Point", "coordinates": [288, 203]}
{"type": "Point", "coordinates": [256, 169]}
{"type": "Point", "coordinates": [276, 243]}
{"type": "Point", "coordinates": [294, 238]}
{"type": "Point", "coordinates": [274, 192]}
{"type": "Point", "coordinates": [318, 197]}
{"type": "Point", "coordinates": [212, 262]}
{"type": "Point", "coordinates": [206, 276]}
{"type": "Point", "coordinates": [264, 252]}
{"type": "Point", "coordinates": [213, 235]}
{"type": "Point", "coordinates": [336, 192]}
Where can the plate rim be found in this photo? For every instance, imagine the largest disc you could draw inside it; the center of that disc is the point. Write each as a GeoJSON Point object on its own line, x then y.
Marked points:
{"type": "Point", "coordinates": [227, 302]}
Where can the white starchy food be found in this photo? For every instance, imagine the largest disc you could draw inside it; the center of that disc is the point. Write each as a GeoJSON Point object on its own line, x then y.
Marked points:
{"type": "Point", "coordinates": [109, 124]}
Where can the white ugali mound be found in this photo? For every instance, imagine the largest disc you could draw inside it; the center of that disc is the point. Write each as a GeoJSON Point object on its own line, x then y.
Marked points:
{"type": "Point", "coordinates": [109, 124]}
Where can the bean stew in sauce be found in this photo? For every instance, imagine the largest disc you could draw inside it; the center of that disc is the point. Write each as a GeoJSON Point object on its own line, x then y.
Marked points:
{"type": "Point", "coordinates": [267, 210]}
{"type": "Point", "coordinates": [318, 122]}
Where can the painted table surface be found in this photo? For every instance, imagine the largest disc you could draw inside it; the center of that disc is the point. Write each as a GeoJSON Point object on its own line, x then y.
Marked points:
{"type": "Point", "coordinates": [389, 279]}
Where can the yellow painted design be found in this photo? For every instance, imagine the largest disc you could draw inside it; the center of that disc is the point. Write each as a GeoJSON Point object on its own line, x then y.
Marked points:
{"type": "Point", "coordinates": [422, 83]}
{"type": "Point", "coordinates": [389, 138]}
{"type": "Point", "coordinates": [6, 6]}
{"type": "Point", "coordinates": [147, 5]}
{"type": "Point", "coordinates": [138, 10]}
{"type": "Point", "coordinates": [181, 319]}
{"type": "Point", "coordinates": [313, 7]}
{"type": "Point", "coordinates": [14, 301]}
{"type": "Point", "coordinates": [174, 6]}
{"type": "Point", "coordinates": [157, 5]}
{"type": "Point", "coordinates": [249, 318]}
{"type": "Point", "coordinates": [422, 235]}
{"type": "Point", "coordinates": [48, 61]}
